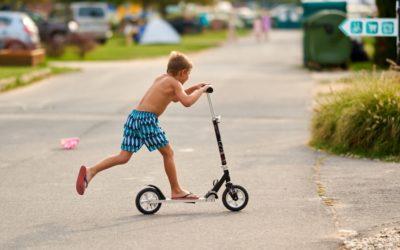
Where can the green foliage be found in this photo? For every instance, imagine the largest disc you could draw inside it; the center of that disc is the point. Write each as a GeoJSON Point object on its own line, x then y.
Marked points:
{"type": "Point", "coordinates": [161, 4]}
{"type": "Point", "coordinates": [363, 119]}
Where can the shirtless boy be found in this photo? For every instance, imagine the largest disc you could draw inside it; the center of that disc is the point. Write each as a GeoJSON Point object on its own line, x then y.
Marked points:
{"type": "Point", "coordinates": [142, 126]}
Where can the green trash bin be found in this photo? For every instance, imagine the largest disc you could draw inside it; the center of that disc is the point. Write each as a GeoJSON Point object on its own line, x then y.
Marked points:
{"type": "Point", "coordinates": [324, 44]}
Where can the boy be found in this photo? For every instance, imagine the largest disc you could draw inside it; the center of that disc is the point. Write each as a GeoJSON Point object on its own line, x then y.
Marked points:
{"type": "Point", "coordinates": [142, 127]}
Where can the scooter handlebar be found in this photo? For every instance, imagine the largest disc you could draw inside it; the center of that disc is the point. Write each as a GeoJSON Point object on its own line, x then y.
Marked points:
{"type": "Point", "coordinates": [210, 89]}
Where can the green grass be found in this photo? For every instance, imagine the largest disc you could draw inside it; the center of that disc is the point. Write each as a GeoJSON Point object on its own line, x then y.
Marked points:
{"type": "Point", "coordinates": [115, 48]}
{"type": "Point", "coordinates": [362, 120]}
{"type": "Point", "coordinates": [360, 66]}
{"type": "Point", "coordinates": [16, 71]}
{"type": "Point", "coordinates": [20, 71]}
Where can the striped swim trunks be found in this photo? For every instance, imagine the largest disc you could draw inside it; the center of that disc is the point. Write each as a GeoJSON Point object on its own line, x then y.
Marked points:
{"type": "Point", "coordinates": [140, 128]}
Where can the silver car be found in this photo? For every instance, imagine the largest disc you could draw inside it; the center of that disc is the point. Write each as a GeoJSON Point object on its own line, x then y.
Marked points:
{"type": "Point", "coordinates": [92, 19]}
{"type": "Point", "coordinates": [18, 31]}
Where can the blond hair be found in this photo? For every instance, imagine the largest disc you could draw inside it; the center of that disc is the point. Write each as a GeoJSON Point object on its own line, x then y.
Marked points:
{"type": "Point", "coordinates": [177, 62]}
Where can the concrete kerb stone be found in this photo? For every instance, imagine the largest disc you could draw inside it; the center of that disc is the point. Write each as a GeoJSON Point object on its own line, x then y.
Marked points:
{"type": "Point", "coordinates": [25, 78]}
{"type": "Point", "coordinates": [7, 81]}
{"type": "Point", "coordinates": [28, 77]}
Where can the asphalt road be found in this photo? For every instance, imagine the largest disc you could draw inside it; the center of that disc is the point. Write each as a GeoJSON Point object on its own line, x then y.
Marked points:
{"type": "Point", "coordinates": [264, 98]}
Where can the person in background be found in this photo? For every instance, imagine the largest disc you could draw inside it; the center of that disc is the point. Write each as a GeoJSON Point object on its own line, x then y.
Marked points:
{"type": "Point", "coordinates": [258, 29]}
{"type": "Point", "coordinates": [130, 29]}
{"type": "Point", "coordinates": [266, 24]}
{"type": "Point", "coordinates": [232, 37]}
{"type": "Point", "coordinates": [141, 27]}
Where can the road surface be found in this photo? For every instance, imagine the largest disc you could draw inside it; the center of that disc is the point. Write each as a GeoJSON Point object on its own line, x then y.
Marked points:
{"type": "Point", "coordinates": [264, 97]}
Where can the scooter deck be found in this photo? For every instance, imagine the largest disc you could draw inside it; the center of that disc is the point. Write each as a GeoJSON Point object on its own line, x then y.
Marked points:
{"type": "Point", "coordinates": [168, 200]}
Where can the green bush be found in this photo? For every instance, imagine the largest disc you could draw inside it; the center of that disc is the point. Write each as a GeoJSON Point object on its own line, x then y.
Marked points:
{"type": "Point", "coordinates": [363, 119]}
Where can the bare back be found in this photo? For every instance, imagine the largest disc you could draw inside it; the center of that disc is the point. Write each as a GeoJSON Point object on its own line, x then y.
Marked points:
{"type": "Point", "coordinates": [158, 96]}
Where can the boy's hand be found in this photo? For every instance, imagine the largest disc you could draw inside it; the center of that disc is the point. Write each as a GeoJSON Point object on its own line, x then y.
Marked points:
{"type": "Point", "coordinates": [200, 85]}
{"type": "Point", "coordinates": [204, 87]}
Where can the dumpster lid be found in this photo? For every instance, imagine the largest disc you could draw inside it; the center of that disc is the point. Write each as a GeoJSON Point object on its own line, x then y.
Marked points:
{"type": "Point", "coordinates": [317, 16]}
{"type": "Point", "coordinates": [322, 1]}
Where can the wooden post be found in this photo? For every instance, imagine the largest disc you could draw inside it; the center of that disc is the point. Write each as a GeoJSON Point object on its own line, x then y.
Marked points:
{"type": "Point", "coordinates": [398, 32]}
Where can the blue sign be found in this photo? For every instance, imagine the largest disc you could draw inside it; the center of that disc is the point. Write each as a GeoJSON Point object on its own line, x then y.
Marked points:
{"type": "Point", "coordinates": [369, 27]}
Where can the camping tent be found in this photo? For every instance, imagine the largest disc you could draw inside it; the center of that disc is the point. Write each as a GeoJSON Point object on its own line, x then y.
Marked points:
{"type": "Point", "coordinates": [159, 31]}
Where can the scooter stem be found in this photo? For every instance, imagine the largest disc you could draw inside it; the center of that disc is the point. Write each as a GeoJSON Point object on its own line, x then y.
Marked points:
{"type": "Point", "coordinates": [211, 106]}
{"type": "Point", "coordinates": [216, 120]}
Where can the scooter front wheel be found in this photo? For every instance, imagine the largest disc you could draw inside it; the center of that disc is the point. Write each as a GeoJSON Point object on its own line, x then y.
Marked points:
{"type": "Point", "coordinates": [235, 198]}
{"type": "Point", "coordinates": [145, 201]}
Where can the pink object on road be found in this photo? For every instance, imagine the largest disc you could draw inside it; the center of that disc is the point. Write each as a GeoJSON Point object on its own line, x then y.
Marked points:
{"type": "Point", "coordinates": [69, 143]}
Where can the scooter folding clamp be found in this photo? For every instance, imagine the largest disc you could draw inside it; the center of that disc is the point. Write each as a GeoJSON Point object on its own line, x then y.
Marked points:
{"type": "Point", "coordinates": [217, 118]}
{"type": "Point", "coordinates": [215, 182]}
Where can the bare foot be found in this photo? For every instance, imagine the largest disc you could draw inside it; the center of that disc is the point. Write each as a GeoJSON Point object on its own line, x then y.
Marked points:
{"type": "Point", "coordinates": [183, 194]}
{"type": "Point", "coordinates": [89, 175]}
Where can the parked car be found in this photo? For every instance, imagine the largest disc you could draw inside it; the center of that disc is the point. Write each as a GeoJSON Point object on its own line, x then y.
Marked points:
{"type": "Point", "coordinates": [92, 19]}
{"type": "Point", "coordinates": [18, 31]}
{"type": "Point", "coordinates": [58, 26]}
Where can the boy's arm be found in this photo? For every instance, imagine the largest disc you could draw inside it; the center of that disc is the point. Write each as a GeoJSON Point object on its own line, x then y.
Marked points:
{"type": "Point", "coordinates": [190, 90]}
{"type": "Point", "coordinates": [185, 99]}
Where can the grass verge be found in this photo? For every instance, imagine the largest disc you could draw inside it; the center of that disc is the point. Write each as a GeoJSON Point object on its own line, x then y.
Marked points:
{"type": "Point", "coordinates": [12, 77]}
{"type": "Point", "coordinates": [116, 49]}
{"type": "Point", "coordinates": [361, 120]}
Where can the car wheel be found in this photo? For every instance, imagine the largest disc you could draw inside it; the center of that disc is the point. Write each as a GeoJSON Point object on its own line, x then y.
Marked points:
{"type": "Point", "coordinates": [58, 38]}
{"type": "Point", "coordinates": [102, 41]}
{"type": "Point", "coordinates": [15, 45]}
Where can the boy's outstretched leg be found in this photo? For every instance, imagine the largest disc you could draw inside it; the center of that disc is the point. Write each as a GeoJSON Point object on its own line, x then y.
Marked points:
{"type": "Point", "coordinates": [86, 174]}
{"type": "Point", "coordinates": [176, 191]}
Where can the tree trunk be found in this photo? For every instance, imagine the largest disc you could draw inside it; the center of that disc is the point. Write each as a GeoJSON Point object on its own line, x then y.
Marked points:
{"type": "Point", "coordinates": [385, 47]}
{"type": "Point", "coordinates": [162, 7]}
{"type": "Point", "coordinates": [145, 5]}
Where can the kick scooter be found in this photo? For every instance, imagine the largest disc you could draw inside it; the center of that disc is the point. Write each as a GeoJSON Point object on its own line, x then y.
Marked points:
{"type": "Point", "coordinates": [234, 197]}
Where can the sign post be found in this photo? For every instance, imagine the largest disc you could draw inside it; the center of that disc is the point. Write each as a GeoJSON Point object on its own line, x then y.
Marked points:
{"type": "Point", "coordinates": [357, 27]}
{"type": "Point", "coordinates": [398, 32]}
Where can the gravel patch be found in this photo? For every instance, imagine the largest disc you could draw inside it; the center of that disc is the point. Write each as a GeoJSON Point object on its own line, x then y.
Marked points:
{"type": "Point", "coordinates": [387, 238]}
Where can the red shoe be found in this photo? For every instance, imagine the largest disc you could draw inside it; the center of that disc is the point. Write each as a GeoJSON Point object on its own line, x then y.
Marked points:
{"type": "Point", "coordinates": [81, 181]}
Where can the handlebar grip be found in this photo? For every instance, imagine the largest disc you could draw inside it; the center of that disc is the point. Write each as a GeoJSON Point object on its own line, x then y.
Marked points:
{"type": "Point", "coordinates": [210, 89]}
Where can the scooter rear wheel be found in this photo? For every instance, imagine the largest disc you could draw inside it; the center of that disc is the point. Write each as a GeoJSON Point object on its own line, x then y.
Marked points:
{"type": "Point", "coordinates": [144, 197]}
{"type": "Point", "coordinates": [232, 204]}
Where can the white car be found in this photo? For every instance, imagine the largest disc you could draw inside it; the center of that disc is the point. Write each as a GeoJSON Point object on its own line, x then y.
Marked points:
{"type": "Point", "coordinates": [18, 31]}
{"type": "Point", "coordinates": [92, 19]}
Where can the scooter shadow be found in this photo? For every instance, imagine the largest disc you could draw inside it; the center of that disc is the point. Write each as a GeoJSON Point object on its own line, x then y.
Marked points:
{"type": "Point", "coordinates": [139, 218]}
{"type": "Point", "coordinates": [195, 215]}
{"type": "Point", "coordinates": [183, 217]}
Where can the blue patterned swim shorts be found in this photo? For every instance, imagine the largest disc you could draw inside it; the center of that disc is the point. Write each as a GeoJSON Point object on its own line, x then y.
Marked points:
{"type": "Point", "coordinates": [140, 128]}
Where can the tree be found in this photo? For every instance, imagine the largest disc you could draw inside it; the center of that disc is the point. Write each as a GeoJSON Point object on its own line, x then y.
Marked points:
{"type": "Point", "coordinates": [385, 47]}
{"type": "Point", "coordinates": [159, 4]}
{"type": "Point", "coordinates": [162, 4]}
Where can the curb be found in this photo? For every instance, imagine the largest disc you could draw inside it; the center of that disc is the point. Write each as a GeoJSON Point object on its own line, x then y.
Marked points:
{"type": "Point", "coordinates": [28, 77]}
{"type": "Point", "coordinates": [25, 78]}
{"type": "Point", "coordinates": [7, 81]}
